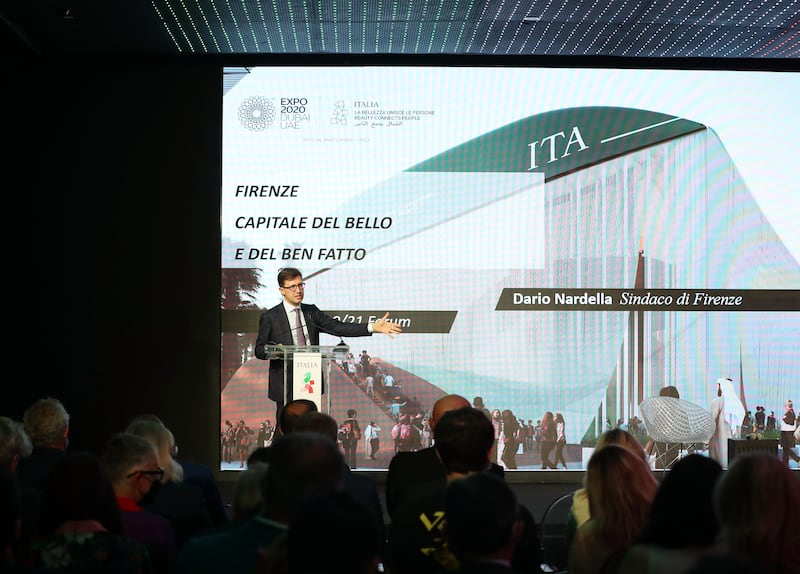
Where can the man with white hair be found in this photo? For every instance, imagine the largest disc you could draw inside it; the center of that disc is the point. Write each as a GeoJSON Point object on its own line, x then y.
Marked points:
{"type": "Point", "coordinates": [47, 423]}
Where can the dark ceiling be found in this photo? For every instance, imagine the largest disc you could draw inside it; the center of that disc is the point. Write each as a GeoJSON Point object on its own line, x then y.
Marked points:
{"type": "Point", "coordinates": [728, 29]}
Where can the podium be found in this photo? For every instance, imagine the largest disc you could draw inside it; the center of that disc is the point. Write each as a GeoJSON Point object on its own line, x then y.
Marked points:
{"type": "Point", "coordinates": [305, 370]}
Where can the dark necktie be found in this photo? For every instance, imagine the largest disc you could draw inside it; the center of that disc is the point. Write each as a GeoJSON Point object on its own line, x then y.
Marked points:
{"type": "Point", "coordinates": [301, 336]}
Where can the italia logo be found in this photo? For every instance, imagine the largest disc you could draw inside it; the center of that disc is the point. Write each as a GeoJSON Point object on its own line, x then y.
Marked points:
{"type": "Point", "coordinates": [308, 383]}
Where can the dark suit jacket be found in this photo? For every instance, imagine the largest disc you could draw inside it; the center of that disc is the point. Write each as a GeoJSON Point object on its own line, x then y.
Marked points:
{"type": "Point", "coordinates": [201, 476]}
{"type": "Point", "coordinates": [408, 468]}
{"type": "Point", "coordinates": [34, 470]}
{"type": "Point", "coordinates": [274, 329]}
{"type": "Point", "coordinates": [184, 506]}
{"type": "Point", "coordinates": [365, 490]}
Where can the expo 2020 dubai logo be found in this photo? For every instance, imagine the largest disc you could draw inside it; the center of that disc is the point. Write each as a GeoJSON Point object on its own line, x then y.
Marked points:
{"type": "Point", "coordinates": [256, 113]}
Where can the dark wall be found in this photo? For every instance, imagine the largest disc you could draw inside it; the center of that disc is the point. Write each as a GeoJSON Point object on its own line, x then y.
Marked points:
{"type": "Point", "coordinates": [112, 233]}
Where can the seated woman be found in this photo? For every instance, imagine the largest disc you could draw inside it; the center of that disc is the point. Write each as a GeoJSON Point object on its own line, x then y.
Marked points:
{"type": "Point", "coordinates": [182, 504]}
{"type": "Point", "coordinates": [621, 488]}
{"type": "Point", "coordinates": [579, 512]}
{"type": "Point", "coordinates": [756, 503]}
{"type": "Point", "coordinates": [81, 524]}
{"type": "Point", "coordinates": [670, 542]}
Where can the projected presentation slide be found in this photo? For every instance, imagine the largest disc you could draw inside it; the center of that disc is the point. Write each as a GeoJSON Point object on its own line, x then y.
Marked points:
{"type": "Point", "coordinates": [551, 242]}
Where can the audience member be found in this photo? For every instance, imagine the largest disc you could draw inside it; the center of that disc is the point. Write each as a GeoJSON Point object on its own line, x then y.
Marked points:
{"type": "Point", "coordinates": [293, 411]}
{"type": "Point", "coordinates": [463, 440]}
{"type": "Point", "coordinates": [248, 498]}
{"type": "Point", "coordinates": [132, 466]}
{"type": "Point", "coordinates": [301, 467]}
{"type": "Point", "coordinates": [15, 445]}
{"type": "Point", "coordinates": [670, 543]}
{"type": "Point", "coordinates": [483, 524]}
{"type": "Point", "coordinates": [345, 534]}
{"type": "Point", "coordinates": [201, 476]}
{"type": "Point", "coordinates": [756, 502]}
{"type": "Point", "coordinates": [579, 512]}
{"type": "Point", "coordinates": [81, 524]}
{"type": "Point", "coordinates": [407, 469]}
{"type": "Point", "coordinates": [621, 488]}
{"type": "Point", "coordinates": [360, 487]}
{"type": "Point", "coordinates": [182, 504]}
{"type": "Point", "coordinates": [10, 520]}
{"type": "Point", "coordinates": [47, 424]}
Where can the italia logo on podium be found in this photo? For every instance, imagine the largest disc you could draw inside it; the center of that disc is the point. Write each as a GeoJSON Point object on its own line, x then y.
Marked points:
{"type": "Point", "coordinates": [308, 383]}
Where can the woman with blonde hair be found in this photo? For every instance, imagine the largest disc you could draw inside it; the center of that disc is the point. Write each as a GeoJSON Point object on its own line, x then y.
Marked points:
{"type": "Point", "coordinates": [183, 504]}
{"type": "Point", "coordinates": [579, 513]}
{"type": "Point", "coordinates": [621, 488]}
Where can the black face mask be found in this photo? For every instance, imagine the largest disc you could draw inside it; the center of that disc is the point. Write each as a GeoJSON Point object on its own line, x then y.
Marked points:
{"type": "Point", "coordinates": [149, 498]}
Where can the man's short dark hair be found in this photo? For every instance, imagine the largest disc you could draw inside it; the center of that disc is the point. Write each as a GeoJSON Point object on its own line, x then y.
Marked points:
{"type": "Point", "coordinates": [481, 510]}
{"type": "Point", "coordinates": [463, 438]}
{"type": "Point", "coordinates": [288, 273]}
{"type": "Point", "coordinates": [293, 411]}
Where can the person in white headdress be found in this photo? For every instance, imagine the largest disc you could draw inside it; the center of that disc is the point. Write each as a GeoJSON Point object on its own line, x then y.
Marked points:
{"type": "Point", "coordinates": [727, 411]}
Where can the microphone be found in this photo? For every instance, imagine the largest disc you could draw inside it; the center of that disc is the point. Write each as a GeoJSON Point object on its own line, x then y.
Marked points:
{"type": "Point", "coordinates": [340, 349]}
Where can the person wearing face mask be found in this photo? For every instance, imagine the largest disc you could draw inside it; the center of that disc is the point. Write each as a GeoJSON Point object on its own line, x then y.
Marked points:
{"type": "Point", "coordinates": [182, 504]}
{"type": "Point", "coordinates": [132, 465]}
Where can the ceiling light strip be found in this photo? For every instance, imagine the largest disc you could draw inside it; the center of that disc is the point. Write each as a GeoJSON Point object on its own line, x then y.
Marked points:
{"type": "Point", "coordinates": [309, 33]}
{"type": "Point", "coordinates": [221, 27]}
{"type": "Point", "coordinates": [502, 33]}
{"type": "Point", "coordinates": [464, 23]}
{"type": "Point", "coordinates": [378, 21]}
{"type": "Point", "coordinates": [250, 26]}
{"type": "Point", "coordinates": [550, 20]}
{"type": "Point", "coordinates": [277, 14]}
{"type": "Point", "coordinates": [436, 20]}
{"type": "Point", "coordinates": [263, 18]}
{"type": "Point", "coordinates": [420, 27]}
{"type": "Point", "coordinates": [323, 43]}
{"type": "Point", "coordinates": [475, 28]}
{"type": "Point", "coordinates": [575, 23]}
{"type": "Point", "coordinates": [667, 9]}
{"type": "Point", "coordinates": [406, 29]}
{"type": "Point", "coordinates": [393, 20]}
{"type": "Point", "coordinates": [603, 29]}
{"type": "Point", "coordinates": [694, 43]}
{"type": "Point", "coordinates": [602, 50]}
{"type": "Point", "coordinates": [792, 39]}
{"type": "Point", "coordinates": [208, 26]}
{"type": "Point", "coordinates": [194, 26]}
{"type": "Point", "coordinates": [571, 19]}
{"type": "Point", "coordinates": [684, 25]}
{"type": "Point", "coordinates": [166, 27]}
{"type": "Point", "coordinates": [363, 27]}
{"type": "Point", "coordinates": [762, 15]}
{"type": "Point", "coordinates": [236, 26]}
{"type": "Point", "coordinates": [180, 27]}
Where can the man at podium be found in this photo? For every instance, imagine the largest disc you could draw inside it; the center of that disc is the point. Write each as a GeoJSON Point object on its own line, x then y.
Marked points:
{"type": "Point", "coordinates": [293, 322]}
